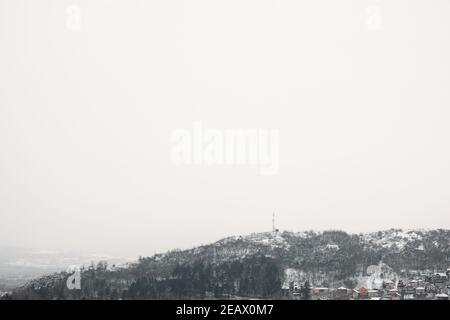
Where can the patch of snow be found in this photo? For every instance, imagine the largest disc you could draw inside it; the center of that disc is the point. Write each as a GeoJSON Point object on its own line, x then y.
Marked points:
{"type": "Point", "coordinates": [393, 238]}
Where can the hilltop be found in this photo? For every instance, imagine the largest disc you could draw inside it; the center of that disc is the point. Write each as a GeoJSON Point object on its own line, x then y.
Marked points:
{"type": "Point", "coordinates": [256, 265]}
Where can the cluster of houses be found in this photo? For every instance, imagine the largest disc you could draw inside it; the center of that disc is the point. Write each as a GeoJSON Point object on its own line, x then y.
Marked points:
{"type": "Point", "coordinates": [413, 285]}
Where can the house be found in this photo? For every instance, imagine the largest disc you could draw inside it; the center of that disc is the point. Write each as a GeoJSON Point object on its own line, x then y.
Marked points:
{"type": "Point", "coordinates": [439, 277]}
{"type": "Point", "coordinates": [429, 287]}
{"type": "Point", "coordinates": [420, 293]}
{"type": "Point", "coordinates": [285, 289]}
{"type": "Point", "coordinates": [442, 296]}
{"type": "Point", "coordinates": [321, 293]}
{"type": "Point", "coordinates": [388, 284]}
{"type": "Point", "coordinates": [395, 295]}
{"type": "Point", "coordinates": [409, 289]}
{"type": "Point", "coordinates": [341, 293]}
{"type": "Point", "coordinates": [333, 246]}
{"type": "Point", "coordinates": [393, 292]}
{"type": "Point", "coordinates": [420, 290]}
{"type": "Point", "coordinates": [362, 293]}
{"type": "Point", "coordinates": [373, 294]}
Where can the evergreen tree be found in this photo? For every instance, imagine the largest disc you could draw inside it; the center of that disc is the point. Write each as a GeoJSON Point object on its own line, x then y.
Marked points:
{"type": "Point", "coordinates": [305, 291]}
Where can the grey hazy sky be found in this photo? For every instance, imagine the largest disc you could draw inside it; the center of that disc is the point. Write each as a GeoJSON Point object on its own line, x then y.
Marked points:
{"type": "Point", "coordinates": [86, 117]}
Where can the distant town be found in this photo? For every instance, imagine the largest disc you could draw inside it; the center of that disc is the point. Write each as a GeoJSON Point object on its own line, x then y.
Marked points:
{"type": "Point", "coordinates": [413, 285]}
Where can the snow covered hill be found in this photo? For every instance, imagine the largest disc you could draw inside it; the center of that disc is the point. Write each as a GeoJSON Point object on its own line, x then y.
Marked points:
{"type": "Point", "coordinates": [259, 264]}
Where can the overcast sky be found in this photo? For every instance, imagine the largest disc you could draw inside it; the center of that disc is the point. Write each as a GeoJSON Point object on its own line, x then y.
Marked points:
{"type": "Point", "coordinates": [359, 91]}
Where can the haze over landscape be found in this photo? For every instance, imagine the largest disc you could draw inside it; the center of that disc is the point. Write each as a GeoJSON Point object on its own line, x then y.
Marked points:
{"type": "Point", "coordinates": [86, 118]}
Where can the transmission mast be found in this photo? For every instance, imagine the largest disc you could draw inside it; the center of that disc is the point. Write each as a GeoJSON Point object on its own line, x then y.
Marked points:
{"type": "Point", "coordinates": [274, 230]}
